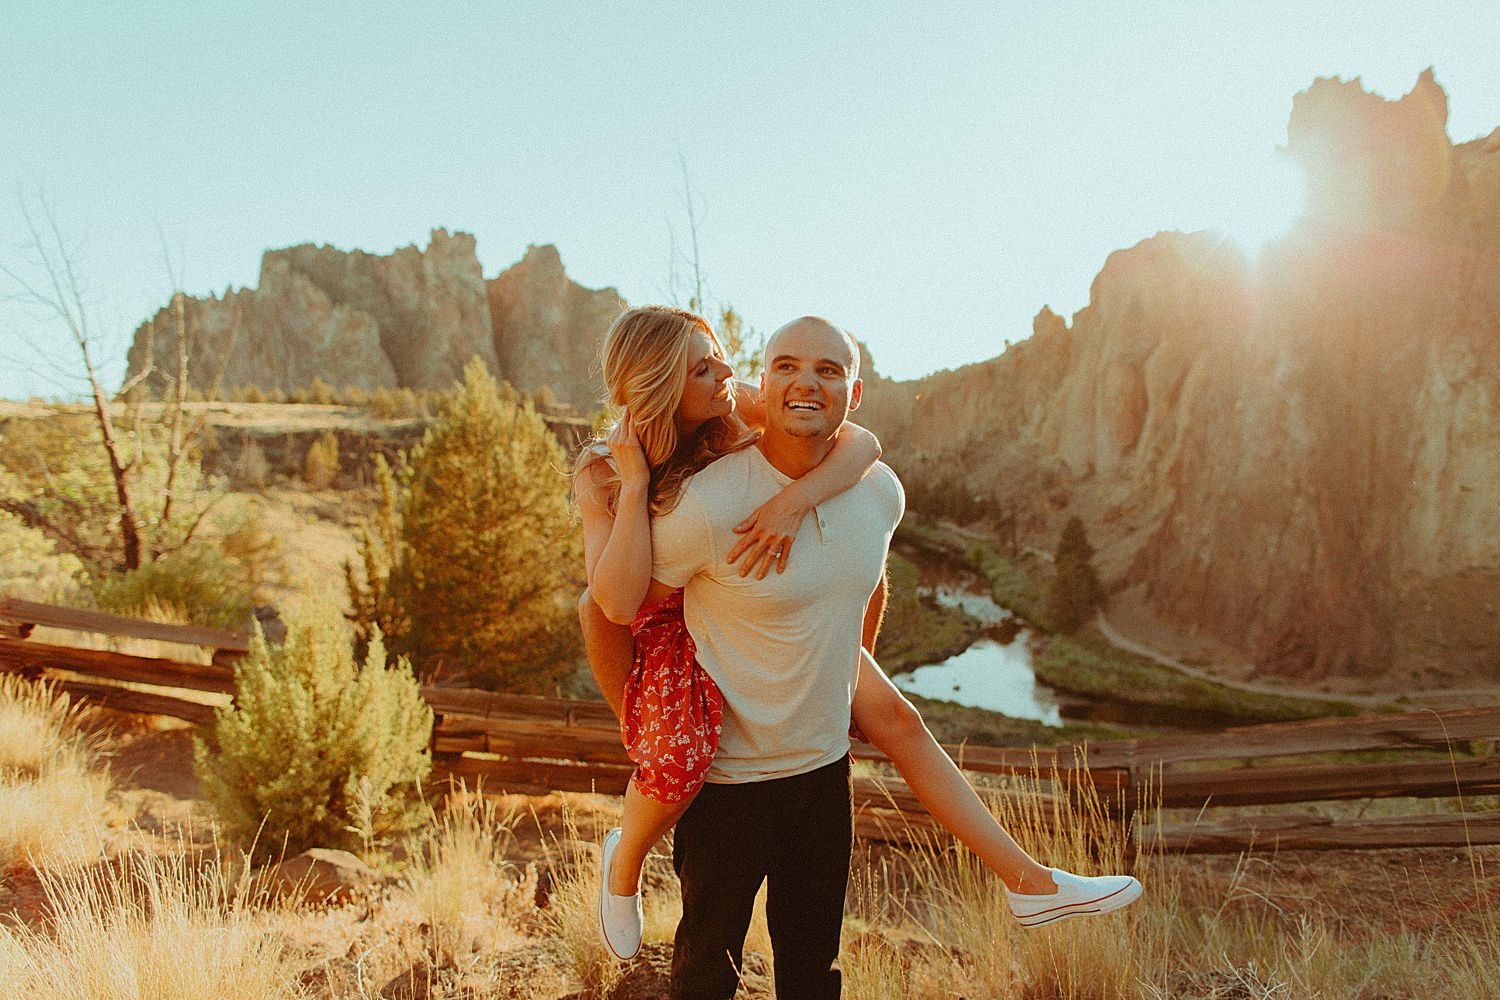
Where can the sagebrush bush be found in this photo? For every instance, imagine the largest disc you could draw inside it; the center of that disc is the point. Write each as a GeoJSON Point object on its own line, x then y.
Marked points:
{"type": "Point", "coordinates": [251, 468]}
{"type": "Point", "coordinates": [31, 566]}
{"type": "Point", "coordinates": [201, 580]}
{"type": "Point", "coordinates": [321, 465]}
{"type": "Point", "coordinates": [318, 751]}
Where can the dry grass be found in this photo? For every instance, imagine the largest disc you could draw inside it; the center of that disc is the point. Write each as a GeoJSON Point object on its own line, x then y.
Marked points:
{"type": "Point", "coordinates": [469, 897]}
{"type": "Point", "coordinates": [933, 921]}
{"type": "Point", "coordinates": [926, 921]}
{"type": "Point", "coordinates": [170, 928]}
{"type": "Point", "coordinates": [52, 796]}
{"type": "Point", "coordinates": [571, 910]}
{"type": "Point", "coordinates": [935, 924]}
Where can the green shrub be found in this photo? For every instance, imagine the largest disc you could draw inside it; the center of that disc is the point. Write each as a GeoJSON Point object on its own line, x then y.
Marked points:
{"type": "Point", "coordinates": [321, 465]}
{"type": "Point", "coordinates": [1011, 586]}
{"type": "Point", "coordinates": [917, 629]}
{"type": "Point", "coordinates": [31, 566]}
{"type": "Point", "coordinates": [1087, 664]}
{"type": "Point", "coordinates": [201, 580]}
{"type": "Point", "coordinates": [318, 392]}
{"type": "Point", "coordinates": [368, 582]}
{"type": "Point", "coordinates": [251, 468]}
{"type": "Point", "coordinates": [491, 565]}
{"type": "Point", "coordinates": [317, 751]}
{"type": "Point", "coordinates": [403, 404]}
{"type": "Point", "coordinates": [1075, 594]}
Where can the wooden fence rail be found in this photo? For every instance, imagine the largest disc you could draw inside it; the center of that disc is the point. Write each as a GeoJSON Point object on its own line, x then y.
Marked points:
{"type": "Point", "coordinates": [528, 744]}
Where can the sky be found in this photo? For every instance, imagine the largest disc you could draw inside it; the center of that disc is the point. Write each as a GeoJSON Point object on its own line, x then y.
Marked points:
{"type": "Point", "coordinates": [927, 176]}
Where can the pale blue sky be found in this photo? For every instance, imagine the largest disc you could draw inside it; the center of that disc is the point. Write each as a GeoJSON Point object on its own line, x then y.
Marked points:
{"type": "Point", "coordinates": [928, 176]}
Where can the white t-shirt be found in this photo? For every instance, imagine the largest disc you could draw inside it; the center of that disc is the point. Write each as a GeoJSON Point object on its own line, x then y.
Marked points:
{"type": "Point", "coordinates": [783, 650]}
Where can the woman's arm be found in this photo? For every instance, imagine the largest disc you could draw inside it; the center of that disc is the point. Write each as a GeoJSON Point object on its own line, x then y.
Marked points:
{"type": "Point", "coordinates": [617, 546]}
{"type": "Point", "coordinates": [767, 534]}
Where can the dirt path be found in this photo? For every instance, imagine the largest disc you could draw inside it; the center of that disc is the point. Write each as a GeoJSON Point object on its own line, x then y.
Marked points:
{"type": "Point", "coordinates": [1157, 656]}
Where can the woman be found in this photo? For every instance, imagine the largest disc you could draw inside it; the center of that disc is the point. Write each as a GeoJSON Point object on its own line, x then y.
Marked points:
{"type": "Point", "coordinates": [681, 410]}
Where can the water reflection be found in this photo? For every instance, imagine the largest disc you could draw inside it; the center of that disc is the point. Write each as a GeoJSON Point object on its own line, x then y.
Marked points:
{"type": "Point", "coordinates": [995, 673]}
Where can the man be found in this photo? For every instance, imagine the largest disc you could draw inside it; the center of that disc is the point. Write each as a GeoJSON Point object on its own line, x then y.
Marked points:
{"type": "Point", "coordinates": [783, 651]}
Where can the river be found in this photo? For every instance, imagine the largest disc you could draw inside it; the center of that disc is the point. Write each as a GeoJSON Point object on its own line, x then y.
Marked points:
{"type": "Point", "coordinates": [995, 672]}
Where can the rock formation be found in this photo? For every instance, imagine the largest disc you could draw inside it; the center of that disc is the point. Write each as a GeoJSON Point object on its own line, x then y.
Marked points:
{"type": "Point", "coordinates": [1296, 457]}
{"type": "Point", "coordinates": [410, 318]}
{"type": "Point", "coordinates": [548, 329]}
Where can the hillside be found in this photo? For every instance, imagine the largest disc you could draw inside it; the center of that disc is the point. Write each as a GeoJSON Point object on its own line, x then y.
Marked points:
{"type": "Point", "coordinates": [1290, 460]}
{"type": "Point", "coordinates": [1287, 461]}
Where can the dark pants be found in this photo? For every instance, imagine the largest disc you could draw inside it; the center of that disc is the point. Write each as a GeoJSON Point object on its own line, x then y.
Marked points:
{"type": "Point", "coordinates": [792, 832]}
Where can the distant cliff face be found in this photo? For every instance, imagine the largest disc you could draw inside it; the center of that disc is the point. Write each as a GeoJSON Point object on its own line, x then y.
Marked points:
{"type": "Point", "coordinates": [548, 330]}
{"type": "Point", "coordinates": [1298, 456]}
{"type": "Point", "coordinates": [410, 318]}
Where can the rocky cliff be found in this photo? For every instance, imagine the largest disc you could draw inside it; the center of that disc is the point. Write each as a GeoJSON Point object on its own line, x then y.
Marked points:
{"type": "Point", "coordinates": [1295, 458]}
{"type": "Point", "coordinates": [548, 329]}
{"type": "Point", "coordinates": [410, 318]}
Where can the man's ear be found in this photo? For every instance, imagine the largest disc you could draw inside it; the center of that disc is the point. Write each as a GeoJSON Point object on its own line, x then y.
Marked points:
{"type": "Point", "coordinates": [855, 392]}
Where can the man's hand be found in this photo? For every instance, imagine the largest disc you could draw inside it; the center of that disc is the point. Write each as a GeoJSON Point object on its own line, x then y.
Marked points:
{"type": "Point", "coordinates": [768, 533]}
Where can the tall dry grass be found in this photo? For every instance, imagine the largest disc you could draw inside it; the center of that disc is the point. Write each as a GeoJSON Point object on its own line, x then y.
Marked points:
{"type": "Point", "coordinates": [467, 894]}
{"type": "Point", "coordinates": [926, 921]}
{"type": "Point", "coordinates": [935, 924]}
{"type": "Point", "coordinates": [53, 796]}
{"type": "Point", "coordinates": [142, 925]}
{"type": "Point", "coordinates": [173, 927]}
{"type": "Point", "coordinates": [572, 913]}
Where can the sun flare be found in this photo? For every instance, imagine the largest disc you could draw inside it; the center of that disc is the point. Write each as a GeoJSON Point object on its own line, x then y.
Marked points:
{"type": "Point", "coordinates": [1270, 199]}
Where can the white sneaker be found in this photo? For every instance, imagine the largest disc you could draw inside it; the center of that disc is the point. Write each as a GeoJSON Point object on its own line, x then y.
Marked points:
{"type": "Point", "coordinates": [1076, 896]}
{"type": "Point", "coordinates": [620, 917]}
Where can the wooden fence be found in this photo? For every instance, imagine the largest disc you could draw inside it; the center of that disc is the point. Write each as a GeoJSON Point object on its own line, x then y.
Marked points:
{"type": "Point", "coordinates": [533, 745]}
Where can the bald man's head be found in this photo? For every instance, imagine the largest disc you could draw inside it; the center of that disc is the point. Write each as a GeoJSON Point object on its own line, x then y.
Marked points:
{"type": "Point", "coordinates": [811, 380]}
{"type": "Point", "coordinates": [818, 326]}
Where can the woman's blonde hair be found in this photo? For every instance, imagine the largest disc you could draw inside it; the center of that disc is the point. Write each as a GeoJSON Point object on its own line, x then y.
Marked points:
{"type": "Point", "coordinates": [645, 369]}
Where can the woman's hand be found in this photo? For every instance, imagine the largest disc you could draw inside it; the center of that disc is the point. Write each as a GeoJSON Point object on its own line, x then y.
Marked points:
{"type": "Point", "coordinates": [768, 533]}
{"type": "Point", "coordinates": [630, 458]}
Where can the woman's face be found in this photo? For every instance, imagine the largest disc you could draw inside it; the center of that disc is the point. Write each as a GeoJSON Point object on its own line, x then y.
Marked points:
{"type": "Point", "coordinates": [707, 392]}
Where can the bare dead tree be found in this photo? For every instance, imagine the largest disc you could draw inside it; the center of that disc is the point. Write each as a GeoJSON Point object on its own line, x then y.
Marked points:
{"type": "Point", "coordinates": [60, 293]}
{"type": "Point", "coordinates": [743, 345]}
{"type": "Point", "coordinates": [690, 258]}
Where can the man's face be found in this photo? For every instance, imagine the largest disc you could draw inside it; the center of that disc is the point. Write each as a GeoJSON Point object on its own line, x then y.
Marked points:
{"type": "Point", "coordinates": [808, 385]}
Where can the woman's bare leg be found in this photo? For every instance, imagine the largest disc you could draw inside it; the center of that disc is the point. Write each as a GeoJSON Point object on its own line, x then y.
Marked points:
{"type": "Point", "coordinates": [896, 728]}
{"type": "Point", "coordinates": [610, 649]}
{"type": "Point", "coordinates": [645, 822]}
{"type": "Point", "coordinates": [611, 652]}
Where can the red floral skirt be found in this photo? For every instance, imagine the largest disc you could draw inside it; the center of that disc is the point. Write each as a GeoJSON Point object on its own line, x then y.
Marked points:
{"type": "Point", "coordinates": [674, 712]}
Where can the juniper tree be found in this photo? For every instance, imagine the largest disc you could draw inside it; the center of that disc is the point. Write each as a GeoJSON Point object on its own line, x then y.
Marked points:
{"type": "Point", "coordinates": [490, 563]}
{"type": "Point", "coordinates": [369, 583]}
{"type": "Point", "coordinates": [1075, 593]}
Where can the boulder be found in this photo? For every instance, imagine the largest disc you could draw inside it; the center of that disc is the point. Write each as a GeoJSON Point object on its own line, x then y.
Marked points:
{"type": "Point", "coordinates": [321, 875]}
